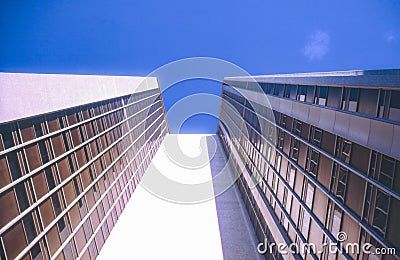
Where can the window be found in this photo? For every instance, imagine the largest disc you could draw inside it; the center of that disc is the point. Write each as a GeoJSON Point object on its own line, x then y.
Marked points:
{"type": "Point", "coordinates": [350, 99]}
{"type": "Point", "coordinates": [394, 108]}
{"type": "Point", "coordinates": [293, 91]}
{"type": "Point", "coordinates": [310, 94]}
{"type": "Point", "coordinates": [339, 181]}
{"type": "Point", "coordinates": [336, 220]}
{"type": "Point", "coordinates": [281, 139]}
{"type": "Point", "coordinates": [386, 175]}
{"type": "Point", "coordinates": [294, 153]}
{"type": "Point", "coordinates": [312, 162]}
{"type": "Point", "coordinates": [342, 183]}
{"type": "Point", "coordinates": [382, 168]}
{"type": "Point", "coordinates": [301, 96]}
{"type": "Point", "coordinates": [381, 212]}
{"type": "Point", "coordinates": [6, 132]}
{"type": "Point", "coordinates": [269, 154]}
{"type": "Point", "coordinates": [278, 162]}
{"type": "Point", "coordinates": [316, 136]}
{"type": "Point", "coordinates": [263, 87]}
{"type": "Point", "coordinates": [368, 101]}
{"type": "Point", "coordinates": [283, 120]}
{"type": "Point", "coordinates": [279, 89]}
{"type": "Point", "coordinates": [308, 197]}
{"type": "Point", "coordinates": [334, 97]}
{"type": "Point", "coordinates": [328, 142]}
{"type": "Point", "coordinates": [320, 95]}
{"type": "Point", "coordinates": [270, 88]}
{"type": "Point", "coordinates": [287, 91]}
{"type": "Point", "coordinates": [297, 127]}
{"type": "Point", "coordinates": [361, 157]}
{"type": "Point", "coordinates": [343, 149]}
{"type": "Point", "coordinates": [383, 107]}
{"type": "Point", "coordinates": [276, 89]}
{"type": "Point", "coordinates": [367, 203]}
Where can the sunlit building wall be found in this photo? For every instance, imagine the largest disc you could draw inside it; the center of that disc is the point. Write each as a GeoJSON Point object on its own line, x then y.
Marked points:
{"type": "Point", "coordinates": [72, 150]}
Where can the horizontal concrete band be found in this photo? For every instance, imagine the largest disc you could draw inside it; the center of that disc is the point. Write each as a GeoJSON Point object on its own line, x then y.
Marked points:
{"type": "Point", "coordinates": [25, 95]}
{"type": "Point", "coordinates": [377, 135]}
{"type": "Point", "coordinates": [362, 129]}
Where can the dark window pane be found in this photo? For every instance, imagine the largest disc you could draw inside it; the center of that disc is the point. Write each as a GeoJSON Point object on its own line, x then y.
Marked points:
{"type": "Point", "coordinates": [394, 109]}
{"type": "Point", "coordinates": [281, 90]}
{"type": "Point", "coordinates": [310, 94]}
{"type": "Point", "coordinates": [287, 91]}
{"type": "Point", "coordinates": [263, 87]}
{"type": "Point", "coordinates": [382, 106]}
{"type": "Point", "coordinates": [29, 227]}
{"type": "Point", "coordinates": [14, 165]}
{"type": "Point", "coordinates": [56, 204]}
{"type": "Point", "coordinates": [387, 171]}
{"type": "Point", "coordinates": [270, 88]}
{"type": "Point", "coordinates": [381, 212]}
{"type": "Point", "coordinates": [334, 97]}
{"type": "Point", "coordinates": [22, 196]}
{"type": "Point", "coordinates": [368, 101]}
{"type": "Point", "coordinates": [342, 182]}
{"type": "Point", "coordinates": [350, 99]}
{"type": "Point", "coordinates": [322, 94]}
{"type": "Point", "coordinates": [276, 89]}
{"type": "Point", "coordinates": [353, 98]}
{"type": "Point", "coordinates": [302, 93]}
{"type": "Point", "coordinates": [37, 126]}
{"type": "Point", "coordinates": [293, 91]}
{"type": "Point", "coordinates": [50, 178]}
{"type": "Point", "coordinates": [360, 157]}
{"type": "Point", "coordinates": [6, 133]}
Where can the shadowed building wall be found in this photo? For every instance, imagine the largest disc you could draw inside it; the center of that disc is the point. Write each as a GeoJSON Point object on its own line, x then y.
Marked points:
{"type": "Point", "coordinates": [319, 153]}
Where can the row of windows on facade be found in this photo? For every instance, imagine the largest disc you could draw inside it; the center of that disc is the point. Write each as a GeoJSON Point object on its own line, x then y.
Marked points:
{"type": "Point", "coordinates": [258, 220]}
{"type": "Point", "coordinates": [20, 132]}
{"type": "Point", "coordinates": [26, 193]}
{"type": "Point", "coordinates": [263, 233]}
{"type": "Point", "coordinates": [335, 216]}
{"type": "Point", "coordinates": [9, 234]}
{"type": "Point", "coordinates": [381, 103]}
{"type": "Point", "coordinates": [340, 175]}
{"type": "Point", "coordinates": [342, 149]}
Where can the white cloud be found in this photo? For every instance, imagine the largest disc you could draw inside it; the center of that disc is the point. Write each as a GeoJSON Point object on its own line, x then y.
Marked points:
{"type": "Point", "coordinates": [390, 36]}
{"type": "Point", "coordinates": [317, 46]}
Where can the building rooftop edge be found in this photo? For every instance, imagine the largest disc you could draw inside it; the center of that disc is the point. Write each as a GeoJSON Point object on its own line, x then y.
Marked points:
{"type": "Point", "coordinates": [384, 77]}
{"type": "Point", "coordinates": [69, 74]}
{"type": "Point", "coordinates": [28, 94]}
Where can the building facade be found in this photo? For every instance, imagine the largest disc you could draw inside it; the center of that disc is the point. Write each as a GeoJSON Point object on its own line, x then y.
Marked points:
{"type": "Point", "coordinates": [317, 159]}
{"type": "Point", "coordinates": [72, 150]}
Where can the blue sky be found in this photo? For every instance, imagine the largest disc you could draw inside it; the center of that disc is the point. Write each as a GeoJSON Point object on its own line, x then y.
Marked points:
{"type": "Point", "coordinates": [124, 37]}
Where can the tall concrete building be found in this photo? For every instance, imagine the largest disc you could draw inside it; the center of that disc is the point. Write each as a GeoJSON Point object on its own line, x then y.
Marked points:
{"type": "Point", "coordinates": [317, 156]}
{"type": "Point", "coordinates": [314, 159]}
{"type": "Point", "coordinates": [72, 151]}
